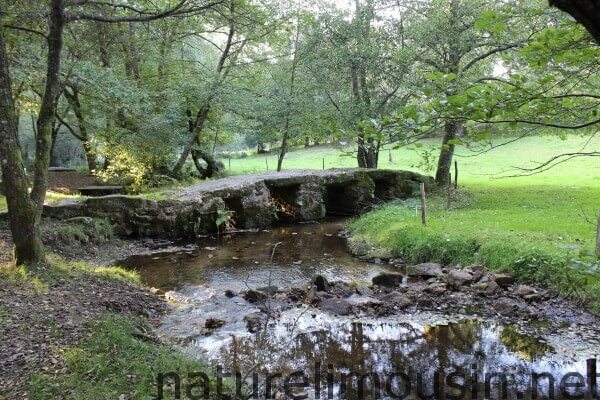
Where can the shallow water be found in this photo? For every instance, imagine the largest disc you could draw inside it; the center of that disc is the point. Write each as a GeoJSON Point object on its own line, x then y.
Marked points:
{"type": "Point", "coordinates": [302, 337]}
{"type": "Point", "coordinates": [242, 260]}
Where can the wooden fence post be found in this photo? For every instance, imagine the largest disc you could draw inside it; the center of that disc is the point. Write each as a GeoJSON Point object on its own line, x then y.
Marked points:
{"type": "Point", "coordinates": [455, 174]}
{"type": "Point", "coordinates": [423, 206]}
{"type": "Point", "coordinates": [449, 191]}
{"type": "Point", "coordinates": [598, 237]}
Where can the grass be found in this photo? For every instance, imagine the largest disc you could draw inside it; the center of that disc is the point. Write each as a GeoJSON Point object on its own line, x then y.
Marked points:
{"type": "Point", "coordinates": [81, 231]}
{"type": "Point", "coordinates": [113, 363]}
{"type": "Point", "coordinates": [474, 169]}
{"type": "Point", "coordinates": [542, 243]}
{"type": "Point", "coordinates": [118, 360]}
{"type": "Point", "coordinates": [38, 278]}
{"type": "Point", "coordinates": [2, 203]}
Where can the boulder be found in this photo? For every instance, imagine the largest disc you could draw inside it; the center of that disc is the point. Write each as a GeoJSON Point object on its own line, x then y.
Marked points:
{"type": "Point", "coordinates": [425, 270]}
{"type": "Point", "coordinates": [336, 306]}
{"type": "Point", "coordinates": [364, 290]}
{"type": "Point", "coordinates": [506, 306]}
{"type": "Point", "coordinates": [257, 209]}
{"type": "Point", "coordinates": [213, 323]}
{"type": "Point", "coordinates": [436, 288]}
{"type": "Point", "coordinates": [296, 294]}
{"type": "Point", "coordinates": [254, 296]}
{"type": "Point", "coordinates": [489, 287]}
{"type": "Point", "coordinates": [503, 280]}
{"type": "Point", "coordinates": [459, 278]}
{"type": "Point", "coordinates": [310, 201]}
{"type": "Point", "coordinates": [396, 299]}
{"type": "Point", "coordinates": [321, 283]}
{"type": "Point", "coordinates": [359, 300]}
{"type": "Point", "coordinates": [341, 289]}
{"type": "Point", "coordinates": [388, 279]}
{"type": "Point", "coordinates": [312, 296]}
{"type": "Point", "coordinates": [65, 209]}
{"type": "Point", "coordinates": [528, 293]}
{"type": "Point", "coordinates": [253, 322]}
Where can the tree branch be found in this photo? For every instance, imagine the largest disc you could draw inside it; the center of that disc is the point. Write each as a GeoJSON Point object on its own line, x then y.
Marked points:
{"type": "Point", "coordinates": [490, 53]}
{"type": "Point", "coordinates": [143, 15]}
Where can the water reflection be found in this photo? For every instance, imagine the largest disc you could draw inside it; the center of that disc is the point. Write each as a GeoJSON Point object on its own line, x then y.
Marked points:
{"type": "Point", "coordinates": [239, 260]}
{"type": "Point", "coordinates": [302, 340]}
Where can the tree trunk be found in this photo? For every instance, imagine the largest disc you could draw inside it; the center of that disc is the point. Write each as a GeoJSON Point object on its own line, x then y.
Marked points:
{"type": "Point", "coordinates": [586, 12]}
{"type": "Point", "coordinates": [284, 145]}
{"type": "Point", "coordinates": [212, 167]}
{"type": "Point", "coordinates": [221, 73]}
{"type": "Point", "coordinates": [195, 131]}
{"type": "Point", "coordinates": [452, 130]}
{"type": "Point", "coordinates": [54, 162]}
{"type": "Point", "coordinates": [286, 127]}
{"type": "Point", "coordinates": [24, 209]}
{"type": "Point", "coordinates": [23, 213]}
{"type": "Point", "coordinates": [90, 155]}
{"type": "Point", "coordinates": [83, 136]}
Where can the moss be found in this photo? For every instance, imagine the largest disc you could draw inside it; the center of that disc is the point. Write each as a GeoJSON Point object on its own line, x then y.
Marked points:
{"type": "Point", "coordinates": [80, 231]}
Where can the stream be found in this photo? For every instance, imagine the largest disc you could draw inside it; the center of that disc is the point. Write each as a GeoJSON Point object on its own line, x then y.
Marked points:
{"type": "Point", "coordinates": [398, 356]}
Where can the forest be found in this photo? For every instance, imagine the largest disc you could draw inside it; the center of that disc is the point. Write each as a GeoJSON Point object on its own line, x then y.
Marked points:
{"type": "Point", "coordinates": [318, 109]}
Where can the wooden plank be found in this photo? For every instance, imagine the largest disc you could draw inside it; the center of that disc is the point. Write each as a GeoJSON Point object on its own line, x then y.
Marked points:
{"type": "Point", "coordinates": [100, 190]}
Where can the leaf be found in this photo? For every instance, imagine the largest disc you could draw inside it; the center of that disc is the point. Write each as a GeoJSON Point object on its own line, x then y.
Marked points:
{"type": "Point", "coordinates": [223, 216]}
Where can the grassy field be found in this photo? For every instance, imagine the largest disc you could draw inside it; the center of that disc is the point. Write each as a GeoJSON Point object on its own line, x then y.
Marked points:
{"type": "Point", "coordinates": [473, 169]}
{"type": "Point", "coordinates": [537, 227]}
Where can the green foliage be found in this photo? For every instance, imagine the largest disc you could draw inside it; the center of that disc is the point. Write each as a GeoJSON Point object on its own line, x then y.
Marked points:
{"type": "Point", "coordinates": [2, 202]}
{"type": "Point", "coordinates": [112, 363]}
{"type": "Point", "coordinates": [223, 217]}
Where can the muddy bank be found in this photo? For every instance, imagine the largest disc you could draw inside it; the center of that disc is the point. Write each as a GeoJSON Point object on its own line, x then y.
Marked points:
{"type": "Point", "coordinates": [60, 239]}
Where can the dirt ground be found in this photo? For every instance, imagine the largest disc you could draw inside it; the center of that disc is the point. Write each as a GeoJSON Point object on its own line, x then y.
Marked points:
{"type": "Point", "coordinates": [67, 182]}
{"type": "Point", "coordinates": [36, 324]}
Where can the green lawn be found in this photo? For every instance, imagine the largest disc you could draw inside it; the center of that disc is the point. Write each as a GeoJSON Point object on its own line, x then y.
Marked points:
{"type": "Point", "coordinates": [478, 169]}
{"type": "Point", "coordinates": [2, 202]}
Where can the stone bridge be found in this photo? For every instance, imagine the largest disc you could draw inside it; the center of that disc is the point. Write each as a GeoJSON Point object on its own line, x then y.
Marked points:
{"type": "Point", "coordinates": [248, 201]}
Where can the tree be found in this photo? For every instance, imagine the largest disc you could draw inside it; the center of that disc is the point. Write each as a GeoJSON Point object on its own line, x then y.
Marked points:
{"type": "Point", "coordinates": [240, 19]}
{"type": "Point", "coordinates": [363, 61]}
{"type": "Point", "coordinates": [25, 209]}
{"type": "Point", "coordinates": [290, 95]}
